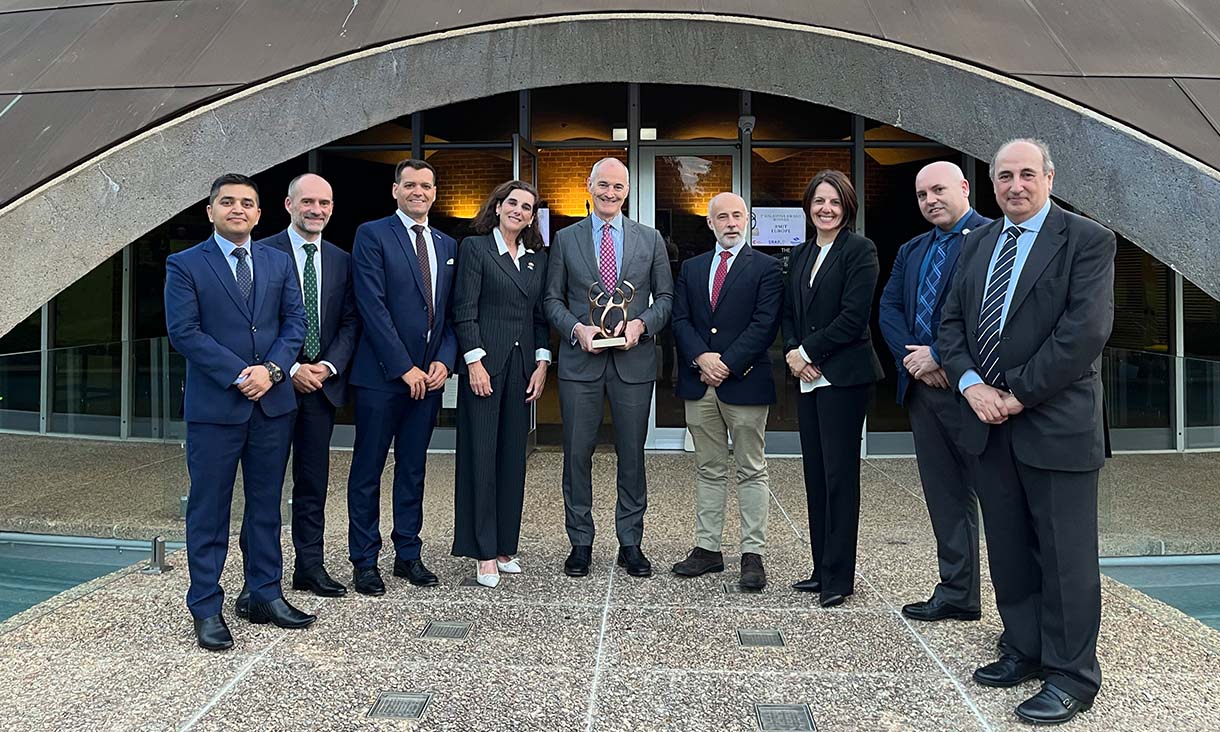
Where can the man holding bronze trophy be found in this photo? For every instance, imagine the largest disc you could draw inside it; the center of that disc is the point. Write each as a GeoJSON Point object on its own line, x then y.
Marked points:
{"type": "Point", "coordinates": [609, 292]}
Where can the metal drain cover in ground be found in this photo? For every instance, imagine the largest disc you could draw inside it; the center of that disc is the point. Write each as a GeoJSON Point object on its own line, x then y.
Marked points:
{"type": "Point", "coordinates": [400, 705]}
{"type": "Point", "coordinates": [732, 588]}
{"type": "Point", "coordinates": [784, 718]}
{"type": "Point", "coordinates": [445, 630]}
{"type": "Point", "coordinates": [472, 582]}
{"type": "Point", "coordinates": [759, 637]}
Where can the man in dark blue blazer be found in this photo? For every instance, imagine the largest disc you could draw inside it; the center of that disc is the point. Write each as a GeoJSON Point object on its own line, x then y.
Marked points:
{"type": "Point", "coordinates": [403, 273]}
{"type": "Point", "coordinates": [233, 310]}
{"type": "Point", "coordinates": [726, 314]}
{"type": "Point", "coordinates": [910, 316]}
{"type": "Point", "coordinates": [319, 373]}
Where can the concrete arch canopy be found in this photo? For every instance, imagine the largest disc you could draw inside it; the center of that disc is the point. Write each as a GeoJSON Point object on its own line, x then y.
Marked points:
{"type": "Point", "coordinates": [1155, 195]}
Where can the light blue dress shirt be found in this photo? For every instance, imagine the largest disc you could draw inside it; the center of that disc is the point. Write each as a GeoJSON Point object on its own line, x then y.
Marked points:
{"type": "Point", "coordinates": [227, 247]}
{"type": "Point", "coordinates": [616, 233]}
{"type": "Point", "coordinates": [1025, 243]}
{"type": "Point", "coordinates": [711, 275]}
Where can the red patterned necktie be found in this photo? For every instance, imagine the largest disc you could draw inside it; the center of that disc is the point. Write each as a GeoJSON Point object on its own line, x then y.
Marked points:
{"type": "Point", "coordinates": [607, 266]}
{"type": "Point", "coordinates": [722, 271]}
{"type": "Point", "coordinates": [425, 268]}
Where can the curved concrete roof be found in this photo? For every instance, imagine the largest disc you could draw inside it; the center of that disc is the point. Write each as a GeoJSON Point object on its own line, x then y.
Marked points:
{"type": "Point", "coordinates": [1166, 201]}
{"type": "Point", "coordinates": [77, 76]}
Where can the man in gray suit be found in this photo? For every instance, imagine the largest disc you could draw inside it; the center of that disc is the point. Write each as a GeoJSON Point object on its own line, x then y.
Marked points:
{"type": "Point", "coordinates": [1021, 337]}
{"type": "Point", "coordinates": [615, 252]}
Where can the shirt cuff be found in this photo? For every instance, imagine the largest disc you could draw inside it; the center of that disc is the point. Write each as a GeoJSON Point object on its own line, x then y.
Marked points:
{"type": "Point", "coordinates": [572, 335]}
{"type": "Point", "coordinates": [969, 379]}
{"type": "Point", "coordinates": [293, 371]}
{"type": "Point", "coordinates": [474, 354]}
{"type": "Point", "coordinates": [333, 371]}
{"type": "Point", "coordinates": [543, 354]}
{"type": "Point", "coordinates": [801, 350]}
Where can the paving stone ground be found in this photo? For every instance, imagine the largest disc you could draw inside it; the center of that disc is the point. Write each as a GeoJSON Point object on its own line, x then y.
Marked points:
{"type": "Point", "coordinates": [548, 652]}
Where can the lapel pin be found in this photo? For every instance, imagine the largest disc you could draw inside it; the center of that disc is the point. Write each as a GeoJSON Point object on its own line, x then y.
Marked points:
{"type": "Point", "coordinates": [529, 265]}
{"type": "Point", "coordinates": [450, 261]}
{"type": "Point", "coordinates": [965, 231]}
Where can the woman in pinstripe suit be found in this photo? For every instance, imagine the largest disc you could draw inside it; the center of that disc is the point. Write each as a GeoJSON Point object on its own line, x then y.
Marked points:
{"type": "Point", "coordinates": [502, 336]}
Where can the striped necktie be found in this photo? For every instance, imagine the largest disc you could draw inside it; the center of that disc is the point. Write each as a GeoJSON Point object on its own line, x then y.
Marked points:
{"type": "Point", "coordinates": [993, 307]}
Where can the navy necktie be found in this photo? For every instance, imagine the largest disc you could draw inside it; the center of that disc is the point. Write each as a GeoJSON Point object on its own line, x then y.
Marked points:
{"type": "Point", "coordinates": [993, 308]}
{"type": "Point", "coordinates": [929, 289]}
{"type": "Point", "coordinates": [245, 279]}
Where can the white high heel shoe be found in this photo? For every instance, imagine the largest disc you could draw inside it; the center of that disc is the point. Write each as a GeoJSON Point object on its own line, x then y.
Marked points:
{"type": "Point", "coordinates": [487, 580]}
{"type": "Point", "coordinates": [509, 567]}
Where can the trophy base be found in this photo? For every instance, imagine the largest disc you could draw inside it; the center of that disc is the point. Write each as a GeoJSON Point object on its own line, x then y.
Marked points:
{"type": "Point", "coordinates": [610, 342]}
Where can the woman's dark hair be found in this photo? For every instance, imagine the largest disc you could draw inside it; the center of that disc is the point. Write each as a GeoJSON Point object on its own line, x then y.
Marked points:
{"type": "Point", "coordinates": [487, 219]}
{"type": "Point", "coordinates": [843, 187]}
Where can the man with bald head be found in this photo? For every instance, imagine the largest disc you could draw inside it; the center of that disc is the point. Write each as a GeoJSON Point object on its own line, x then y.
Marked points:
{"type": "Point", "coordinates": [607, 252]}
{"type": "Point", "coordinates": [319, 375]}
{"type": "Point", "coordinates": [910, 316]}
{"type": "Point", "coordinates": [726, 314]}
{"type": "Point", "coordinates": [1021, 338]}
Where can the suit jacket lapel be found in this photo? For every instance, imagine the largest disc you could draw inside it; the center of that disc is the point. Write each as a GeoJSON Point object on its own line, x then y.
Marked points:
{"type": "Point", "coordinates": [700, 280]}
{"type": "Point", "coordinates": [584, 248]}
{"type": "Point", "coordinates": [946, 278]}
{"type": "Point", "coordinates": [262, 264]}
{"type": "Point", "coordinates": [631, 247]}
{"type": "Point", "coordinates": [528, 265]}
{"type": "Point", "coordinates": [407, 242]}
{"type": "Point", "coordinates": [506, 263]}
{"type": "Point", "coordinates": [1050, 239]}
{"type": "Point", "coordinates": [220, 267]}
{"type": "Point", "coordinates": [332, 283]}
{"type": "Point", "coordinates": [444, 252]}
{"type": "Point", "coordinates": [831, 257]}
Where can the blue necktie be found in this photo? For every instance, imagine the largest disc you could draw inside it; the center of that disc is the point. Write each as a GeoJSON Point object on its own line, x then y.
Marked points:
{"type": "Point", "coordinates": [993, 307]}
{"type": "Point", "coordinates": [929, 289]}
{"type": "Point", "coordinates": [245, 280]}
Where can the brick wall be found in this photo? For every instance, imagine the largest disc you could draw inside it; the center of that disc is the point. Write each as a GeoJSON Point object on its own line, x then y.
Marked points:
{"type": "Point", "coordinates": [783, 182]}
{"type": "Point", "coordinates": [465, 178]}
{"type": "Point", "coordinates": [562, 175]}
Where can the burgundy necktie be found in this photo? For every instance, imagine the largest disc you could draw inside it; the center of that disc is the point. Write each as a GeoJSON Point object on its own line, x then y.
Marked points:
{"type": "Point", "coordinates": [425, 269]}
{"type": "Point", "coordinates": [722, 271]}
{"type": "Point", "coordinates": [607, 266]}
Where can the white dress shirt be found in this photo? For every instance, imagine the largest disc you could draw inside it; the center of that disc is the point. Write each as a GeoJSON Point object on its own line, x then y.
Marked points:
{"type": "Point", "coordinates": [475, 354]}
{"type": "Point", "coordinates": [711, 275]}
{"type": "Point", "coordinates": [299, 254]}
{"type": "Point", "coordinates": [808, 386]}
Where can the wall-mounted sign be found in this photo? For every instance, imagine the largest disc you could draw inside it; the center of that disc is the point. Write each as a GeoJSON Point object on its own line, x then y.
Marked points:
{"type": "Point", "coordinates": [777, 226]}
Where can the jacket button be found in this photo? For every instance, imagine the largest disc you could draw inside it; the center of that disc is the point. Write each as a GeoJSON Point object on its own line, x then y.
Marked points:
{"type": "Point", "coordinates": [253, 329]}
{"type": "Point", "coordinates": [516, 343]}
{"type": "Point", "coordinates": [713, 331]}
{"type": "Point", "coordinates": [258, 358]}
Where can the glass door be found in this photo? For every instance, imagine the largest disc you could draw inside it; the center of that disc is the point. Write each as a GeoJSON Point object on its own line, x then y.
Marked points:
{"type": "Point", "coordinates": [525, 168]}
{"type": "Point", "coordinates": [675, 185]}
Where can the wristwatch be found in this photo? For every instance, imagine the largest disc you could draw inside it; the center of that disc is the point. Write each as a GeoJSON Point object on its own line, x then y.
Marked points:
{"type": "Point", "coordinates": [277, 373]}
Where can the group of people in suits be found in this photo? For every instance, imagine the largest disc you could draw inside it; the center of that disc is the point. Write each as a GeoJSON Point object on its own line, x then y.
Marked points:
{"type": "Point", "coordinates": [996, 329]}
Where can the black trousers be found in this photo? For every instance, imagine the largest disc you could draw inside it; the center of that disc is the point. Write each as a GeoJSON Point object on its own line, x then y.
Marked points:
{"type": "Point", "coordinates": [1041, 528]}
{"type": "Point", "coordinates": [490, 471]}
{"type": "Point", "coordinates": [947, 474]}
{"type": "Point", "coordinates": [831, 419]}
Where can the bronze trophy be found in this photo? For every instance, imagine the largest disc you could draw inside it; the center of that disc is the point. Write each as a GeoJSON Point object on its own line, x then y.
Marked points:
{"type": "Point", "coordinates": [608, 311]}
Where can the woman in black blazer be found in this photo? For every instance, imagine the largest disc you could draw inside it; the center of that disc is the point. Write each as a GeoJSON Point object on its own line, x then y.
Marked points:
{"type": "Point", "coordinates": [827, 301]}
{"type": "Point", "coordinates": [502, 336]}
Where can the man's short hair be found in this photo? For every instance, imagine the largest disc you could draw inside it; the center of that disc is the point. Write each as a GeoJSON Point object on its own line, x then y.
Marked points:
{"type": "Point", "coordinates": [597, 166]}
{"type": "Point", "coordinates": [231, 179]}
{"type": "Point", "coordinates": [414, 164]}
{"type": "Point", "coordinates": [1048, 165]}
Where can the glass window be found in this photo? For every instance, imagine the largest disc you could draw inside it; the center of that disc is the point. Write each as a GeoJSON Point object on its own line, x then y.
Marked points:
{"type": "Point", "coordinates": [464, 179]}
{"type": "Point", "coordinates": [680, 112]}
{"type": "Point", "coordinates": [585, 112]}
{"type": "Point", "coordinates": [1201, 323]}
{"type": "Point", "coordinates": [488, 119]}
{"type": "Point", "coordinates": [562, 174]}
{"type": "Point", "coordinates": [91, 309]}
{"type": "Point", "coordinates": [20, 373]}
{"type": "Point", "coordinates": [891, 218]}
{"type": "Point", "coordinates": [363, 182]}
{"type": "Point", "coordinates": [782, 118]}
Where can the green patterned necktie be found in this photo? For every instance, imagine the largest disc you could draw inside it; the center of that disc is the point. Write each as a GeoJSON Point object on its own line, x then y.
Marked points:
{"type": "Point", "coordinates": [313, 330]}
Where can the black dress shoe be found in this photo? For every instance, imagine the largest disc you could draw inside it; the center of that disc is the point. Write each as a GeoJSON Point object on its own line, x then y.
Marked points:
{"type": "Point", "coordinates": [831, 599]}
{"type": "Point", "coordinates": [280, 613]}
{"type": "Point", "coordinates": [213, 634]}
{"type": "Point", "coordinates": [577, 563]}
{"type": "Point", "coordinates": [242, 606]}
{"type": "Point", "coordinates": [634, 561]}
{"type": "Point", "coordinates": [367, 581]}
{"type": "Point", "coordinates": [414, 571]}
{"type": "Point", "coordinates": [753, 576]}
{"type": "Point", "coordinates": [317, 581]}
{"type": "Point", "coordinates": [808, 585]}
{"type": "Point", "coordinates": [934, 610]}
{"type": "Point", "coordinates": [700, 561]}
{"type": "Point", "coordinates": [1008, 671]}
{"type": "Point", "coordinates": [1052, 705]}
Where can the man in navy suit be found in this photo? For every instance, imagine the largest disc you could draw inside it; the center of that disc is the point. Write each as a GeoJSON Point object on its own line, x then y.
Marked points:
{"type": "Point", "coordinates": [319, 374]}
{"type": "Point", "coordinates": [233, 309]}
{"type": "Point", "coordinates": [910, 317]}
{"type": "Point", "coordinates": [726, 314]}
{"type": "Point", "coordinates": [403, 273]}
